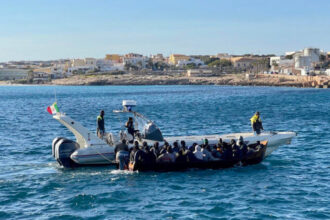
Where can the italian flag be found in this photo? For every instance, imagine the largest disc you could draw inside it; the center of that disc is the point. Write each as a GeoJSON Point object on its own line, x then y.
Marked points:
{"type": "Point", "coordinates": [53, 109]}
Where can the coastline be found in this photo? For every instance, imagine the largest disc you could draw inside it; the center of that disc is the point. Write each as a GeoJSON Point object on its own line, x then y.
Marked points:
{"type": "Point", "coordinates": [227, 79]}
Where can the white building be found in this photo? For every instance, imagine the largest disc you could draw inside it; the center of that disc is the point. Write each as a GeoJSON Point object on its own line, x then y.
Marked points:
{"type": "Point", "coordinates": [13, 74]}
{"type": "Point", "coordinates": [108, 65]}
{"type": "Point", "coordinates": [135, 59]}
{"type": "Point", "coordinates": [313, 53]}
{"type": "Point", "coordinates": [197, 62]}
{"type": "Point", "coordinates": [302, 61]}
{"type": "Point", "coordinates": [327, 72]}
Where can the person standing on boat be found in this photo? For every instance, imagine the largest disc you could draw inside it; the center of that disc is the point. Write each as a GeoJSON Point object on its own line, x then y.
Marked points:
{"type": "Point", "coordinates": [100, 125]}
{"type": "Point", "coordinates": [130, 126]}
{"type": "Point", "coordinates": [256, 123]}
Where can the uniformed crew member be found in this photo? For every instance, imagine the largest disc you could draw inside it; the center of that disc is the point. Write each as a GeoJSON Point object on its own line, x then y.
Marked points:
{"type": "Point", "coordinates": [256, 123]}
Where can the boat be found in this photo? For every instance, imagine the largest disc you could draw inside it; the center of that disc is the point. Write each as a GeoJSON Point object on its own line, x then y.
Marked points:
{"type": "Point", "coordinates": [251, 158]}
{"type": "Point", "coordinates": [89, 150]}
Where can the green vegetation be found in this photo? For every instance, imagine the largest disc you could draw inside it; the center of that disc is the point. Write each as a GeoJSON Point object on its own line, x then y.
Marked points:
{"type": "Point", "coordinates": [220, 63]}
{"type": "Point", "coordinates": [160, 66]}
{"type": "Point", "coordinates": [289, 57]}
{"type": "Point", "coordinates": [206, 59]}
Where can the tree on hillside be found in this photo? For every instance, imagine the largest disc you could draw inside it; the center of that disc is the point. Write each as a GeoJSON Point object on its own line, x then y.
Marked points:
{"type": "Point", "coordinates": [220, 63]}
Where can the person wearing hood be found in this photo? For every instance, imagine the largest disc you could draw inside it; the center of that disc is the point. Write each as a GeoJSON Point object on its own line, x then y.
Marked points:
{"type": "Point", "coordinates": [198, 153]}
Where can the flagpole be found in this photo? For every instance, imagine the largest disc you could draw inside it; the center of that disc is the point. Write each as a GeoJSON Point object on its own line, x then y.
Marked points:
{"type": "Point", "coordinates": [55, 95]}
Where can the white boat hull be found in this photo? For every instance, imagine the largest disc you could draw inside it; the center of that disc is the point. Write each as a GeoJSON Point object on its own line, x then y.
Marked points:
{"type": "Point", "coordinates": [104, 154]}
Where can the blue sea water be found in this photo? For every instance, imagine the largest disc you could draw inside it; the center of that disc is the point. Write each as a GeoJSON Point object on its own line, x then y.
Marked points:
{"type": "Point", "coordinates": [292, 183]}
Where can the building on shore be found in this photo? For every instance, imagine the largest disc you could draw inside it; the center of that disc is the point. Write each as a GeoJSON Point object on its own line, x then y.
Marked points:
{"type": "Point", "coordinates": [174, 59]}
{"type": "Point", "coordinates": [135, 59]}
{"type": "Point", "coordinates": [281, 65]}
{"type": "Point", "coordinates": [114, 58]}
{"type": "Point", "coordinates": [157, 58]}
{"type": "Point", "coordinates": [199, 72]}
{"type": "Point", "coordinates": [193, 61]}
{"type": "Point", "coordinates": [13, 74]}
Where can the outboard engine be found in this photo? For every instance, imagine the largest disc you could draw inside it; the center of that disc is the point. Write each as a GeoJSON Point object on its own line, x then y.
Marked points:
{"type": "Point", "coordinates": [62, 150]}
{"type": "Point", "coordinates": [54, 143]}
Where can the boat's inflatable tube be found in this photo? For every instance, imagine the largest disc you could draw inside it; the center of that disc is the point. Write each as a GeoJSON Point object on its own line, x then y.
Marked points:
{"type": "Point", "coordinates": [62, 149]}
{"type": "Point", "coordinates": [249, 159]}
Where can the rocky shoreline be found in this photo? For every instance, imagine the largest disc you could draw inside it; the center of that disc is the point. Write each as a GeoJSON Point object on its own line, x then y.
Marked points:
{"type": "Point", "coordinates": [227, 79]}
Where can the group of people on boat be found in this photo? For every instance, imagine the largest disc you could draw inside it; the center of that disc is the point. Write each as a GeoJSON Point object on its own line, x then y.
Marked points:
{"type": "Point", "coordinates": [180, 153]}
{"type": "Point", "coordinates": [256, 124]}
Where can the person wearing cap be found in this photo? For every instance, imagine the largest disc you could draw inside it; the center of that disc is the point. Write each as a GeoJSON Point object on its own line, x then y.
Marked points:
{"type": "Point", "coordinates": [256, 123]}
{"type": "Point", "coordinates": [100, 124]}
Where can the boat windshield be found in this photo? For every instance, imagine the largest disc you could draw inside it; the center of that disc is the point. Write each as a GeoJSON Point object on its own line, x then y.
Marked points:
{"type": "Point", "coordinates": [148, 129]}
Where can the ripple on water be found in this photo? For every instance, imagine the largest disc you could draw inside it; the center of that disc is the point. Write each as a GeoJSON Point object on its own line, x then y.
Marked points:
{"type": "Point", "coordinates": [293, 183]}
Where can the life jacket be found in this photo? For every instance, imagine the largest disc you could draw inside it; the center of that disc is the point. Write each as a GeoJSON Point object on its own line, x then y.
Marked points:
{"type": "Point", "coordinates": [100, 122]}
{"type": "Point", "coordinates": [255, 118]}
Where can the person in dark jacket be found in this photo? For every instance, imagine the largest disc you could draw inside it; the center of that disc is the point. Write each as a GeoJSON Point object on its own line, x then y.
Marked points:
{"type": "Point", "coordinates": [100, 125]}
{"type": "Point", "coordinates": [180, 157]}
{"type": "Point", "coordinates": [122, 155]}
{"type": "Point", "coordinates": [133, 151]}
{"type": "Point", "coordinates": [164, 148]}
{"type": "Point", "coordinates": [175, 147]}
{"type": "Point", "coordinates": [243, 148]}
{"type": "Point", "coordinates": [130, 126]}
{"type": "Point", "coordinates": [155, 149]}
{"type": "Point", "coordinates": [235, 149]}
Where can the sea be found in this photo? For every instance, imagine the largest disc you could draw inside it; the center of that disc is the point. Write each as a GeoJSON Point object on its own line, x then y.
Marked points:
{"type": "Point", "coordinates": [292, 183]}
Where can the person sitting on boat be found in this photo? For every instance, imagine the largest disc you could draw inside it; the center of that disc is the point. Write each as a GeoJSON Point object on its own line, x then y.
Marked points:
{"type": "Point", "coordinates": [192, 147]}
{"type": "Point", "coordinates": [256, 123]}
{"type": "Point", "coordinates": [134, 149]}
{"type": "Point", "coordinates": [198, 153]}
{"type": "Point", "coordinates": [164, 148]}
{"type": "Point", "coordinates": [183, 145]}
{"type": "Point", "coordinates": [100, 125]}
{"type": "Point", "coordinates": [228, 152]}
{"type": "Point", "coordinates": [122, 155]}
{"type": "Point", "coordinates": [175, 147]}
{"type": "Point", "coordinates": [150, 158]}
{"type": "Point", "coordinates": [207, 155]}
{"type": "Point", "coordinates": [171, 153]}
{"type": "Point", "coordinates": [235, 149]}
{"type": "Point", "coordinates": [145, 146]}
{"type": "Point", "coordinates": [216, 152]}
{"type": "Point", "coordinates": [181, 157]}
{"type": "Point", "coordinates": [167, 156]}
{"type": "Point", "coordinates": [243, 148]}
{"type": "Point", "coordinates": [130, 126]}
{"type": "Point", "coordinates": [155, 149]}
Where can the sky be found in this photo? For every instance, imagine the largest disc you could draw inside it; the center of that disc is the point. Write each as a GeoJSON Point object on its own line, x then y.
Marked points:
{"type": "Point", "coordinates": [54, 29]}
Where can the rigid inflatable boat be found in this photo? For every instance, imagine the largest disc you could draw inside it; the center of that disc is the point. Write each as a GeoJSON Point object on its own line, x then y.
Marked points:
{"type": "Point", "coordinates": [250, 158]}
{"type": "Point", "coordinates": [88, 149]}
